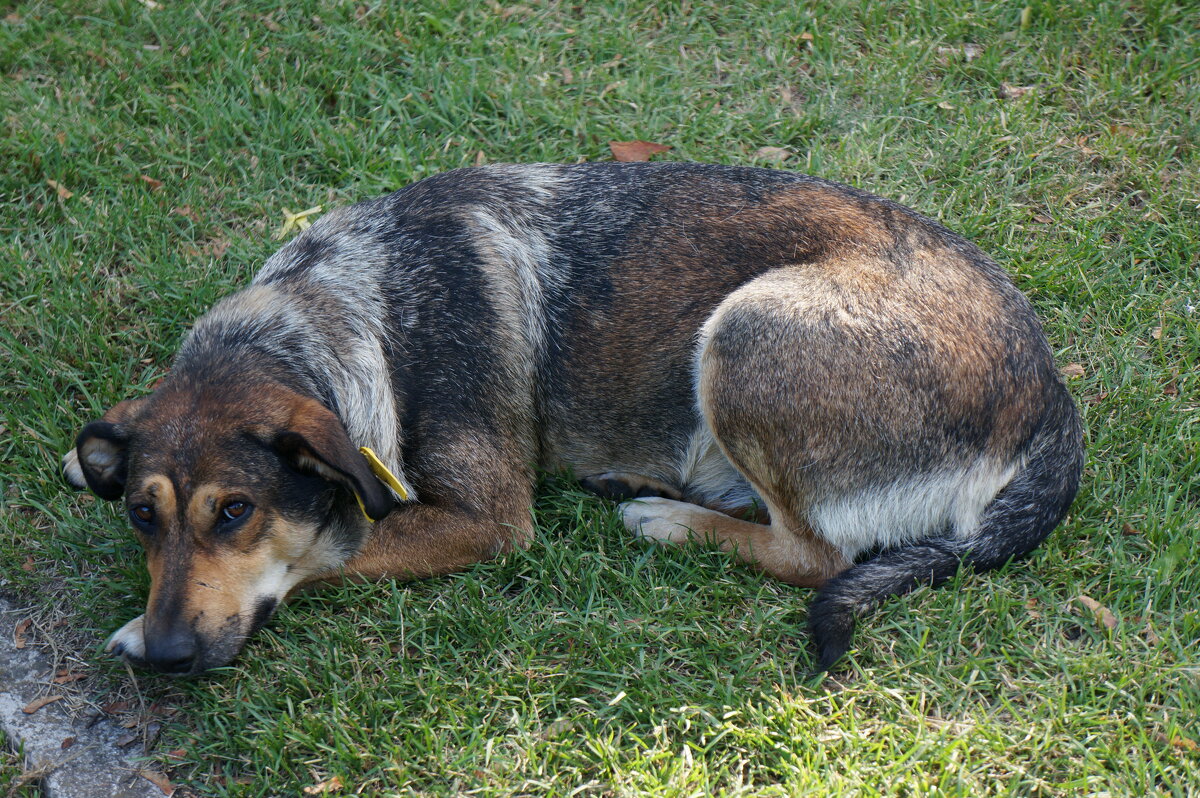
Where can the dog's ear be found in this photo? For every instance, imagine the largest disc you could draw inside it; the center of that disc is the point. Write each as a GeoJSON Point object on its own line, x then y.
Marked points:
{"type": "Point", "coordinates": [99, 460]}
{"type": "Point", "coordinates": [315, 442]}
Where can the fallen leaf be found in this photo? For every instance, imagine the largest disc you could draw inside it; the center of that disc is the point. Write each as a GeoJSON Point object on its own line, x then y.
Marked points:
{"type": "Point", "coordinates": [296, 221]}
{"type": "Point", "coordinates": [329, 785]}
{"type": "Point", "coordinates": [1178, 742]}
{"type": "Point", "coordinates": [1042, 218]}
{"type": "Point", "coordinates": [155, 185]}
{"type": "Point", "coordinates": [65, 678]}
{"type": "Point", "coordinates": [214, 246]}
{"type": "Point", "coordinates": [1150, 636]}
{"type": "Point", "coordinates": [480, 158]}
{"type": "Point", "coordinates": [1156, 333]}
{"type": "Point", "coordinates": [776, 154]}
{"type": "Point", "coordinates": [177, 753]}
{"type": "Point", "coordinates": [13, 18]}
{"type": "Point", "coordinates": [67, 743]}
{"type": "Point", "coordinates": [1129, 530]}
{"type": "Point", "coordinates": [38, 703]}
{"type": "Point", "coordinates": [1073, 370]}
{"type": "Point", "coordinates": [1099, 612]}
{"type": "Point", "coordinates": [631, 151]}
{"type": "Point", "coordinates": [126, 740]}
{"type": "Point", "coordinates": [806, 37]}
{"type": "Point", "coordinates": [1123, 130]}
{"type": "Point", "coordinates": [945, 106]}
{"type": "Point", "coordinates": [63, 193]}
{"type": "Point", "coordinates": [158, 780]}
{"type": "Point", "coordinates": [187, 212]}
{"type": "Point", "coordinates": [1010, 92]}
{"type": "Point", "coordinates": [19, 633]}
{"type": "Point", "coordinates": [113, 707]}
{"type": "Point", "coordinates": [28, 565]}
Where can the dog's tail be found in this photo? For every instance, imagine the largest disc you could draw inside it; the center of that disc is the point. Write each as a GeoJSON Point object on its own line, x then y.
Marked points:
{"type": "Point", "coordinates": [1016, 521]}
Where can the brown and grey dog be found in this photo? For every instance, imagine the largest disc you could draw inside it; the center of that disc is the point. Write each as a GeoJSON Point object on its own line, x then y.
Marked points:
{"type": "Point", "coordinates": [838, 390]}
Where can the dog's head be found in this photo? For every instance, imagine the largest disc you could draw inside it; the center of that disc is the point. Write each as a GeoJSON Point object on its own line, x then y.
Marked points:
{"type": "Point", "coordinates": [238, 492]}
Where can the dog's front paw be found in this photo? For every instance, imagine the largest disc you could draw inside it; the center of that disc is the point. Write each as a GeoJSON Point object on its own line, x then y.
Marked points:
{"type": "Point", "coordinates": [71, 471]}
{"type": "Point", "coordinates": [129, 641]}
{"type": "Point", "coordinates": [657, 519]}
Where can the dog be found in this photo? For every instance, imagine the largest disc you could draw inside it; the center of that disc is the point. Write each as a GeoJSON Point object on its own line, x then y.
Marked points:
{"type": "Point", "coordinates": [837, 390]}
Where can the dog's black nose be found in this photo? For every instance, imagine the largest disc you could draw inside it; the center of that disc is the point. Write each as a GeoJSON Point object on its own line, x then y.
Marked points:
{"type": "Point", "coordinates": [173, 653]}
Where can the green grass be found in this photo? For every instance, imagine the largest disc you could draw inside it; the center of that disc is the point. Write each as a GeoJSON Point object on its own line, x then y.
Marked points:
{"type": "Point", "coordinates": [591, 664]}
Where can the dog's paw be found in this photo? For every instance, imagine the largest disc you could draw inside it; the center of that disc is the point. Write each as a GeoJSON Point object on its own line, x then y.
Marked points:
{"type": "Point", "coordinates": [657, 519]}
{"type": "Point", "coordinates": [71, 471]}
{"type": "Point", "coordinates": [129, 641]}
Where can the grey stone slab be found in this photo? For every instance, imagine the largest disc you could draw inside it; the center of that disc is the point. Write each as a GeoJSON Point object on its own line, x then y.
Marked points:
{"type": "Point", "coordinates": [93, 767]}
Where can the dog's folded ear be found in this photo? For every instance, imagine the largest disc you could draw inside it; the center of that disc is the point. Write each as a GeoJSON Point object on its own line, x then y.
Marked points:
{"type": "Point", "coordinates": [315, 442]}
{"type": "Point", "coordinates": [98, 462]}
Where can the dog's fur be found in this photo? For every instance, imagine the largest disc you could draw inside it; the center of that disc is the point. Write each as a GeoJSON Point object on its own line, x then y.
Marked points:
{"type": "Point", "coordinates": [838, 390]}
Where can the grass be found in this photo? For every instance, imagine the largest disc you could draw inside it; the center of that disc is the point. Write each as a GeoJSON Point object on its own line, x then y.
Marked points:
{"type": "Point", "coordinates": [177, 133]}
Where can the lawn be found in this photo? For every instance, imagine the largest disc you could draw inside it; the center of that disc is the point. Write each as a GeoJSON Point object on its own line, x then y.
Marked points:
{"type": "Point", "coordinates": [150, 150]}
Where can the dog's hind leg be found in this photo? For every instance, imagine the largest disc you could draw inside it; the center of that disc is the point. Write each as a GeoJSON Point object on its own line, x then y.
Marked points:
{"type": "Point", "coordinates": [790, 553]}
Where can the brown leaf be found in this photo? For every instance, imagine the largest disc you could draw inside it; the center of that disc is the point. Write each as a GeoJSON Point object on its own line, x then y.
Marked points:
{"type": "Point", "coordinates": [1177, 742]}
{"type": "Point", "coordinates": [945, 106]}
{"type": "Point", "coordinates": [155, 185]}
{"type": "Point", "coordinates": [13, 18]}
{"type": "Point", "coordinates": [1073, 370]}
{"type": "Point", "coordinates": [63, 193]}
{"type": "Point", "coordinates": [1151, 636]}
{"type": "Point", "coordinates": [1011, 92]}
{"type": "Point", "coordinates": [28, 565]}
{"type": "Point", "coordinates": [631, 151]}
{"type": "Point", "coordinates": [38, 703]}
{"type": "Point", "coordinates": [1129, 529]}
{"type": "Point", "coordinates": [776, 154]}
{"type": "Point", "coordinates": [329, 785]}
{"type": "Point", "coordinates": [480, 158]}
{"type": "Point", "coordinates": [1042, 218]}
{"type": "Point", "coordinates": [19, 633]}
{"type": "Point", "coordinates": [114, 707]}
{"type": "Point", "coordinates": [1123, 130]}
{"type": "Point", "coordinates": [158, 780]}
{"type": "Point", "coordinates": [805, 37]}
{"type": "Point", "coordinates": [177, 753]}
{"type": "Point", "coordinates": [1099, 612]}
{"type": "Point", "coordinates": [187, 212]}
{"type": "Point", "coordinates": [1156, 333]}
{"type": "Point", "coordinates": [126, 740]}
{"type": "Point", "coordinates": [215, 247]}
{"type": "Point", "coordinates": [67, 743]}
{"type": "Point", "coordinates": [65, 678]}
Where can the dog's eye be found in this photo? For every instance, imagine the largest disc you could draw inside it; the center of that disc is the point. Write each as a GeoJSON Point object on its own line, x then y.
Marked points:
{"type": "Point", "coordinates": [235, 511]}
{"type": "Point", "coordinates": [142, 514]}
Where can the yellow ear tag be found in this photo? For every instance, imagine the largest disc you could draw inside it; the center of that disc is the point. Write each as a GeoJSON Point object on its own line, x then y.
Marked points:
{"type": "Point", "coordinates": [385, 476]}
